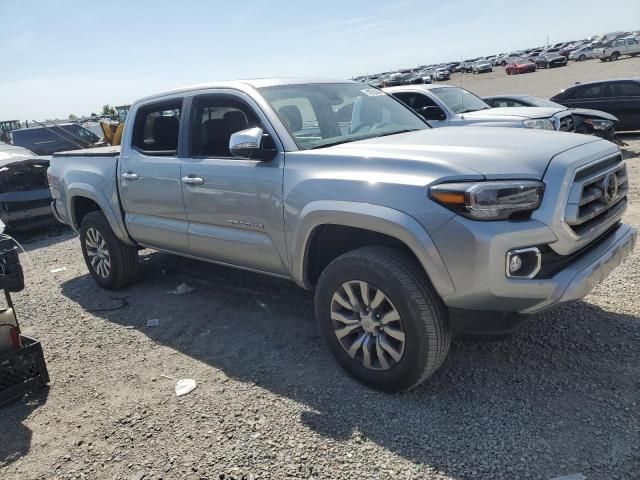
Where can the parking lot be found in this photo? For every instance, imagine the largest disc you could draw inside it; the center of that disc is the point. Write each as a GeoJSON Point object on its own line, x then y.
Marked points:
{"type": "Point", "coordinates": [559, 397]}
{"type": "Point", "coordinates": [545, 83]}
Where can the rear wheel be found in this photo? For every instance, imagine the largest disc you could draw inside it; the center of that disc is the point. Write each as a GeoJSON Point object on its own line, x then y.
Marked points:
{"type": "Point", "coordinates": [112, 263]}
{"type": "Point", "coordinates": [381, 318]}
{"type": "Point", "coordinates": [582, 58]}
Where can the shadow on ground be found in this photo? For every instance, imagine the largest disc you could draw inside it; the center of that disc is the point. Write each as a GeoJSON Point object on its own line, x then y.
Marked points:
{"type": "Point", "coordinates": [12, 427]}
{"type": "Point", "coordinates": [555, 396]}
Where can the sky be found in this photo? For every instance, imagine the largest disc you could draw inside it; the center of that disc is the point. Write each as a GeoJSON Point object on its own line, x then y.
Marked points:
{"type": "Point", "coordinates": [61, 57]}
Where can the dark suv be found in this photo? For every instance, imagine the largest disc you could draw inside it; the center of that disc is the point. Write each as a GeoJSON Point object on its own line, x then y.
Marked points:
{"type": "Point", "coordinates": [46, 140]}
{"type": "Point", "coordinates": [617, 97]}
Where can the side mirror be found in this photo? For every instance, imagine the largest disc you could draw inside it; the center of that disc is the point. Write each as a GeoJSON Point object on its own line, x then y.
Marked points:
{"type": "Point", "coordinates": [248, 144]}
{"type": "Point", "coordinates": [431, 112]}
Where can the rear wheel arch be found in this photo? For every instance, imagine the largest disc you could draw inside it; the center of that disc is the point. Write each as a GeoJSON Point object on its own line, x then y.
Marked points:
{"type": "Point", "coordinates": [80, 207]}
{"type": "Point", "coordinates": [85, 198]}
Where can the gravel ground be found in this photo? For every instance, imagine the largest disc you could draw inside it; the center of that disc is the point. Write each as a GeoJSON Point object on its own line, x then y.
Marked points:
{"type": "Point", "coordinates": [559, 397]}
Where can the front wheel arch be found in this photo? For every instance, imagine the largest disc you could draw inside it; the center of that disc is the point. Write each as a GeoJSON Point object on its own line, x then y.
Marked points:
{"type": "Point", "coordinates": [375, 218]}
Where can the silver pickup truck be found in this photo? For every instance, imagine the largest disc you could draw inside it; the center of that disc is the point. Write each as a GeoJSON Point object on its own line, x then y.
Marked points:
{"type": "Point", "coordinates": [407, 235]}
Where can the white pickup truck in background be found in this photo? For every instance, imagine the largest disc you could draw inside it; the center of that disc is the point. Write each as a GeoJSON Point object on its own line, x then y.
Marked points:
{"type": "Point", "coordinates": [622, 46]}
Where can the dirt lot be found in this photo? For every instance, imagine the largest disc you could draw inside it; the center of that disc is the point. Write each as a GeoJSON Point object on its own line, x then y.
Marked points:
{"type": "Point", "coordinates": [560, 397]}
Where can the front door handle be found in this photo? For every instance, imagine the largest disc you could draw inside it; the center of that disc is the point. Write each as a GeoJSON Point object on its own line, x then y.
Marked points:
{"type": "Point", "coordinates": [130, 176]}
{"type": "Point", "coordinates": [192, 180]}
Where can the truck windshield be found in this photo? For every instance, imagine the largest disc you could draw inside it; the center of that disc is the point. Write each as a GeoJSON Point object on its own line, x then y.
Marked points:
{"type": "Point", "coordinates": [321, 115]}
{"type": "Point", "coordinates": [459, 100]}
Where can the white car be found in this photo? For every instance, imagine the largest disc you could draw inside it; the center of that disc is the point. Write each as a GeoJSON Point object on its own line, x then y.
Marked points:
{"type": "Point", "coordinates": [481, 66]}
{"type": "Point", "coordinates": [451, 106]}
{"type": "Point", "coordinates": [586, 52]}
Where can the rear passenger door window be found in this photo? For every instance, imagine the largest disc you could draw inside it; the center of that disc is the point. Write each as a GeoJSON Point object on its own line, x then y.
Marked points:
{"type": "Point", "coordinates": [156, 128]}
{"type": "Point", "coordinates": [624, 89]}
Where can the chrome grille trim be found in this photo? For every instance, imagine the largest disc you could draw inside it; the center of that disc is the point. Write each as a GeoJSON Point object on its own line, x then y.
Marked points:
{"type": "Point", "coordinates": [587, 208]}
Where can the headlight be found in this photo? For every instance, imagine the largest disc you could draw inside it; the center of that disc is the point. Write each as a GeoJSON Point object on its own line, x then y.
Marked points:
{"type": "Point", "coordinates": [489, 200]}
{"type": "Point", "coordinates": [540, 124]}
{"type": "Point", "coordinates": [599, 124]}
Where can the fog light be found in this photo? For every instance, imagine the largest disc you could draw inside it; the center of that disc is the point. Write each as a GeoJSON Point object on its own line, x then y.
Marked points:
{"type": "Point", "coordinates": [523, 263]}
{"type": "Point", "coordinates": [515, 263]}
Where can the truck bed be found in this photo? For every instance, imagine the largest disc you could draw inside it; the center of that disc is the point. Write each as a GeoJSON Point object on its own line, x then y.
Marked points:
{"type": "Point", "coordinates": [91, 152]}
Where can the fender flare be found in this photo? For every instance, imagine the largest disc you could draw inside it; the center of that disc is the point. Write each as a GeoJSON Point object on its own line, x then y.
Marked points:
{"type": "Point", "coordinates": [376, 218]}
{"type": "Point", "coordinates": [76, 190]}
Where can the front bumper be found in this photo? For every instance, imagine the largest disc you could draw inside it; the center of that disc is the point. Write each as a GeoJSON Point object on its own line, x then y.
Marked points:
{"type": "Point", "coordinates": [478, 274]}
{"type": "Point", "coordinates": [19, 209]}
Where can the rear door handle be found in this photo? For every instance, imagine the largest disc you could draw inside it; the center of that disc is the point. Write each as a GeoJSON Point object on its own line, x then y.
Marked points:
{"type": "Point", "coordinates": [130, 176]}
{"type": "Point", "coordinates": [192, 180]}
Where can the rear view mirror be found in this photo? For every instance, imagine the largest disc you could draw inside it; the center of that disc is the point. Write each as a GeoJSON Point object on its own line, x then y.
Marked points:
{"type": "Point", "coordinates": [432, 113]}
{"type": "Point", "coordinates": [249, 144]}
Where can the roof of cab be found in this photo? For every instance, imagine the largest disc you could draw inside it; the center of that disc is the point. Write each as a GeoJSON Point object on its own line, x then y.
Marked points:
{"type": "Point", "coordinates": [243, 85]}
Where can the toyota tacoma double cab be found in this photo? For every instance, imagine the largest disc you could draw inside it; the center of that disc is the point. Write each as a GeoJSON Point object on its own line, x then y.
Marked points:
{"type": "Point", "coordinates": [407, 235]}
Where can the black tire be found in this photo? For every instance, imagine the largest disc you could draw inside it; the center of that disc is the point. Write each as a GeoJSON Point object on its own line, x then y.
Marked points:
{"type": "Point", "coordinates": [424, 317]}
{"type": "Point", "coordinates": [123, 267]}
{"type": "Point", "coordinates": [582, 58]}
{"type": "Point", "coordinates": [614, 56]}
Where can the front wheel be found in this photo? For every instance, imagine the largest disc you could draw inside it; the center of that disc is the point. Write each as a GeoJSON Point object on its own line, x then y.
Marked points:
{"type": "Point", "coordinates": [615, 56]}
{"type": "Point", "coordinates": [381, 318]}
{"type": "Point", "coordinates": [582, 58]}
{"type": "Point", "coordinates": [112, 263]}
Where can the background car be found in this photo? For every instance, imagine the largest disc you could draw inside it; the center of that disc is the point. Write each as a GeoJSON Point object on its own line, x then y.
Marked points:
{"type": "Point", "coordinates": [48, 139]}
{"type": "Point", "coordinates": [509, 57]}
{"type": "Point", "coordinates": [592, 122]}
{"type": "Point", "coordinates": [583, 53]}
{"type": "Point", "coordinates": [481, 66]}
{"type": "Point", "coordinates": [550, 60]}
{"type": "Point", "coordinates": [618, 97]}
{"type": "Point", "coordinates": [520, 66]}
{"type": "Point", "coordinates": [25, 198]}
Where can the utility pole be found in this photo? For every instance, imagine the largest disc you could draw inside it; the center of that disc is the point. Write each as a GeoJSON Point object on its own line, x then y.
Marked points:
{"type": "Point", "coordinates": [547, 40]}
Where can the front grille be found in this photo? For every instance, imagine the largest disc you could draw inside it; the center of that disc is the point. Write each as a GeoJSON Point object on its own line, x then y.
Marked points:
{"type": "Point", "coordinates": [598, 195]}
{"type": "Point", "coordinates": [567, 124]}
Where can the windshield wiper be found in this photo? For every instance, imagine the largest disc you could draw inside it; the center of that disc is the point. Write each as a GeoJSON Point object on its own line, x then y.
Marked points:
{"type": "Point", "coordinates": [333, 144]}
{"type": "Point", "coordinates": [406, 130]}
{"type": "Point", "coordinates": [469, 110]}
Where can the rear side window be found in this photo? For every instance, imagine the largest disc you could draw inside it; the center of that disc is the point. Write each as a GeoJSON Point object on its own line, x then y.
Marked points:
{"type": "Point", "coordinates": [591, 91]}
{"type": "Point", "coordinates": [156, 128]}
{"type": "Point", "coordinates": [624, 89]}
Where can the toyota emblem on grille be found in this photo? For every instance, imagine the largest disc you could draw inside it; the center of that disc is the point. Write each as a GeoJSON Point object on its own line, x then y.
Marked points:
{"type": "Point", "coordinates": [610, 188]}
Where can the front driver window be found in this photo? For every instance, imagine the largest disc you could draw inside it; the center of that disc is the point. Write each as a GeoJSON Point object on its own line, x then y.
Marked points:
{"type": "Point", "coordinates": [216, 118]}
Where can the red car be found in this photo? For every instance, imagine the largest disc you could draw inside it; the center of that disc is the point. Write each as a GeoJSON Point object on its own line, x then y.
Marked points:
{"type": "Point", "coordinates": [520, 66]}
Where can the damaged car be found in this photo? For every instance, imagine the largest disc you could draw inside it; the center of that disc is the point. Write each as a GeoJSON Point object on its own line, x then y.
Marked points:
{"type": "Point", "coordinates": [587, 121]}
{"type": "Point", "coordinates": [25, 199]}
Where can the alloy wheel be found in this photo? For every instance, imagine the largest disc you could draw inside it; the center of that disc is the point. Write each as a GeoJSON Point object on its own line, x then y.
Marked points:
{"type": "Point", "coordinates": [98, 252]}
{"type": "Point", "coordinates": [367, 325]}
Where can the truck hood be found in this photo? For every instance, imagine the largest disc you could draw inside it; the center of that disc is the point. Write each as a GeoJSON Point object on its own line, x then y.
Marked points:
{"type": "Point", "coordinates": [512, 113]}
{"type": "Point", "coordinates": [491, 152]}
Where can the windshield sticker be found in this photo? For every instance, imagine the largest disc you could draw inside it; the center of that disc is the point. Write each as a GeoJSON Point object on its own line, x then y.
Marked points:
{"type": "Point", "coordinates": [372, 92]}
